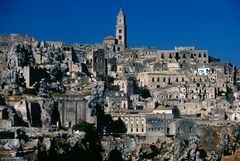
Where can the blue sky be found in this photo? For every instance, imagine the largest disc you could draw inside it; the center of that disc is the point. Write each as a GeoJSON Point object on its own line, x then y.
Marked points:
{"type": "Point", "coordinates": [205, 24]}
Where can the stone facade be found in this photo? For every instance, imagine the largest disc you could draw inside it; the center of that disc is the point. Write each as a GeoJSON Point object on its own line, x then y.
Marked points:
{"type": "Point", "coordinates": [135, 123]}
{"type": "Point", "coordinates": [72, 108]}
{"type": "Point", "coordinates": [121, 31]}
{"type": "Point", "coordinates": [96, 60]}
{"type": "Point", "coordinates": [119, 43]}
{"type": "Point", "coordinates": [147, 123]}
{"type": "Point", "coordinates": [34, 74]}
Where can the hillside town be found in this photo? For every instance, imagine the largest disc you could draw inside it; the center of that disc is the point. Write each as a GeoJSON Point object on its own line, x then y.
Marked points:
{"type": "Point", "coordinates": [48, 86]}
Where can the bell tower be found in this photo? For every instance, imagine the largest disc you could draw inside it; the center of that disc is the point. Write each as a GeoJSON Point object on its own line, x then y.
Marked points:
{"type": "Point", "coordinates": [121, 31]}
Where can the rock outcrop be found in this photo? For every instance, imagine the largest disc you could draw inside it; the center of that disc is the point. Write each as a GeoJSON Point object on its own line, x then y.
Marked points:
{"type": "Point", "coordinates": [210, 142]}
{"type": "Point", "coordinates": [35, 144]}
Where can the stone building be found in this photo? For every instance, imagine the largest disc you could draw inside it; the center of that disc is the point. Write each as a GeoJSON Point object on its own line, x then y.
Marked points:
{"type": "Point", "coordinates": [234, 116]}
{"type": "Point", "coordinates": [110, 43]}
{"type": "Point", "coordinates": [155, 80]}
{"type": "Point", "coordinates": [116, 100]}
{"type": "Point", "coordinates": [135, 123]}
{"type": "Point", "coordinates": [191, 108]}
{"type": "Point", "coordinates": [34, 74]}
{"type": "Point", "coordinates": [119, 43]}
{"type": "Point", "coordinates": [68, 52]}
{"type": "Point", "coordinates": [183, 55]}
{"type": "Point", "coordinates": [124, 68]}
{"type": "Point", "coordinates": [160, 124]}
{"type": "Point", "coordinates": [96, 62]}
{"type": "Point", "coordinates": [147, 123]}
{"type": "Point", "coordinates": [4, 123]}
{"type": "Point", "coordinates": [72, 107]}
{"type": "Point", "coordinates": [237, 76]}
{"type": "Point", "coordinates": [121, 31]}
{"type": "Point", "coordinates": [12, 38]}
{"type": "Point", "coordinates": [125, 85]}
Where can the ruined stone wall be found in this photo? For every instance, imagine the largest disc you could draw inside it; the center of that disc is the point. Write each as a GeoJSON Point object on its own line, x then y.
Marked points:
{"type": "Point", "coordinates": [5, 123]}
{"type": "Point", "coordinates": [34, 74]}
{"type": "Point", "coordinates": [159, 124]}
{"type": "Point", "coordinates": [125, 85]}
{"type": "Point", "coordinates": [190, 108]}
{"type": "Point", "coordinates": [98, 62]}
{"type": "Point", "coordinates": [72, 110]}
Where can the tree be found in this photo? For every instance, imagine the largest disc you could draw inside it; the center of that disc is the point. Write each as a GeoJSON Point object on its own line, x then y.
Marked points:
{"type": "Point", "coordinates": [176, 112]}
{"type": "Point", "coordinates": [119, 126]}
{"type": "Point", "coordinates": [88, 128]}
{"type": "Point", "coordinates": [115, 155]}
{"type": "Point", "coordinates": [145, 93]}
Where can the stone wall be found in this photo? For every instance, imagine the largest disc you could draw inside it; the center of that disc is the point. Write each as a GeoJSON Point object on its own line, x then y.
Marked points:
{"type": "Point", "coordinates": [5, 123]}
{"type": "Point", "coordinates": [72, 109]}
{"type": "Point", "coordinates": [34, 74]}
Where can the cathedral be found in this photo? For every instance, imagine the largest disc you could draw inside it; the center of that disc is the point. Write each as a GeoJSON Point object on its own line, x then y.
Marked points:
{"type": "Point", "coordinates": [119, 42]}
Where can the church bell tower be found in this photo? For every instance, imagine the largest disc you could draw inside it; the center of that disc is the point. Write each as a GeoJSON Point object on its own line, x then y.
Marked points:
{"type": "Point", "coordinates": [121, 31]}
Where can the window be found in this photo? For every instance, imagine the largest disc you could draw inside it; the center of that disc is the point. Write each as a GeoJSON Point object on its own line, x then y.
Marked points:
{"type": "Point", "coordinates": [164, 79]}
{"type": "Point", "coordinates": [176, 79]}
{"type": "Point", "coordinates": [120, 37]}
{"type": "Point", "coordinates": [169, 81]}
{"type": "Point", "coordinates": [119, 31]}
{"type": "Point", "coordinates": [204, 55]}
{"type": "Point", "coordinates": [95, 60]}
{"type": "Point", "coordinates": [158, 79]}
{"type": "Point", "coordinates": [152, 79]}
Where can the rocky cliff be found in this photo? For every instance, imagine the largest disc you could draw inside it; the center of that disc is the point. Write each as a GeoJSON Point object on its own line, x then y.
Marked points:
{"type": "Point", "coordinates": [30, 144]}
{"type": "Point", "coordinates": [209, 142]}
